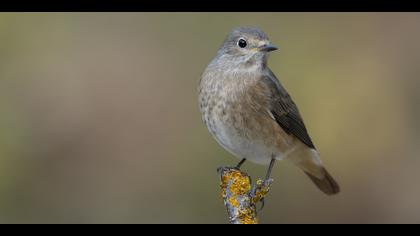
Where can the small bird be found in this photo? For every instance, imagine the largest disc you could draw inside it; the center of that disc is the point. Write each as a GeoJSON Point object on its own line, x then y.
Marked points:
{"type": "Point", "coordinates": [250, 113]}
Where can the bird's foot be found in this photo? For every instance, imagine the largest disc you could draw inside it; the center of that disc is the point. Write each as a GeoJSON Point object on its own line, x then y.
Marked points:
{"type": "Point", "coordinates": [259, 191]}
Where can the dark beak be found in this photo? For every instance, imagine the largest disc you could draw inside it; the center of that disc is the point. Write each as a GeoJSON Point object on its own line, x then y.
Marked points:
{"type": "Point", "coordinates": [268, 48]}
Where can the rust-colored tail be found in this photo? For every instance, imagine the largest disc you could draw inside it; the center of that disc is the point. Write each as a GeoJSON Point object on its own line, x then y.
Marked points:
{"type": "Point", "coordinates": [327, 184]}
{"type": "Point", "coordinates": [308, 160]}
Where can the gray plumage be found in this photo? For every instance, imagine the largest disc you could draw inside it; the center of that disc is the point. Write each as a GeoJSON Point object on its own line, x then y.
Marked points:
{"type": "Point", "coordinates": [250, 113]}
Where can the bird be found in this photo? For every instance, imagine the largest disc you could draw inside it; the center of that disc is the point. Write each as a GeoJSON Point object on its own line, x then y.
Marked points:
{"type": "Point", "coordinates": [249, 112]}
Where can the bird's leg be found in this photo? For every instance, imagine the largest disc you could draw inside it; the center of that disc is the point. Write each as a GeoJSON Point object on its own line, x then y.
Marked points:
{"type": "Point", "coordinates": [238, 166]}
{"type": "Point", "coordinates": [267, 178]}
{"type": "Point", "coordinates": [262, 205]}
{"type": "Point", "coordinates": [270, 168]}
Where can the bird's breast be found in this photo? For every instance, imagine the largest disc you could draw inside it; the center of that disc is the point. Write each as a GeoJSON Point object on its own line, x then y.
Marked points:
{"type": "Point", "coordinates": [236, 112]}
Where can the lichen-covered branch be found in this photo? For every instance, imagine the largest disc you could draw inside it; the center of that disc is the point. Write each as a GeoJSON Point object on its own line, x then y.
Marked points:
{"type": "Point", "coordinates": [241, 196]}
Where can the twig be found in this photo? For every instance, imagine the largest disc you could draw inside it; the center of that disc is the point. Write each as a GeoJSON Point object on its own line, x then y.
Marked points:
{"type": "Point", "coordinates": [240, 196]}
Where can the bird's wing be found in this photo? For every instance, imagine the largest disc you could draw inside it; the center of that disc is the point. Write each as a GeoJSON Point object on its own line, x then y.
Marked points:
{"type": "Point", "coordinates": [284, 110]}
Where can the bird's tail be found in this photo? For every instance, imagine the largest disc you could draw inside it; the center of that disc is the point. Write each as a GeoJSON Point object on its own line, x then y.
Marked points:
{"type": "Point", "coordinates": [327, 184]}
{"type": "Point", "coordinates": [311, 164]}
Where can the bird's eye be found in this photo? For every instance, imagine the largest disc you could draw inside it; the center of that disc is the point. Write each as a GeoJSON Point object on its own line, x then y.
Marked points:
{"type": "Point", "coordinates": [242, 43]}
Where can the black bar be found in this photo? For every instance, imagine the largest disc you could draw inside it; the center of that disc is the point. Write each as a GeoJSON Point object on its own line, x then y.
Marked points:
{"type": "Point", "coordinates": [209, 6]}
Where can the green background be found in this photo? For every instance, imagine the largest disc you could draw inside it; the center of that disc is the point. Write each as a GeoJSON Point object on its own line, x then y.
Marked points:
{"type": "Point", "coordinates": [100, 122]}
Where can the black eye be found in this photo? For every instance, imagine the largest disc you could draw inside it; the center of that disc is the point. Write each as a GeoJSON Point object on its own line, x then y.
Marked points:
{"type": "Point", "coordinates": [242, 43]}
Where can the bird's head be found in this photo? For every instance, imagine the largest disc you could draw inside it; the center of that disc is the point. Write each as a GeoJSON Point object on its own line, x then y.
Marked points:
{"type": "Point", "coordinates": [246, 46]}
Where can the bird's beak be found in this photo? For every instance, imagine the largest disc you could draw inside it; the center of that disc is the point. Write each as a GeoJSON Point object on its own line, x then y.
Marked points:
{"type": "Point", "coordinates": [268, 48]}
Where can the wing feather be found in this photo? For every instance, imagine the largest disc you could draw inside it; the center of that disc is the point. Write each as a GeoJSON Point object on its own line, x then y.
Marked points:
{"type": "Point", "coordinates": [285, 110]}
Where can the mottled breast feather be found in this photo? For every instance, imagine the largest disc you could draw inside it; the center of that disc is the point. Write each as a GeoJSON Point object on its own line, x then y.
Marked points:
{"type": "Point", "coordinates": [285, 110]}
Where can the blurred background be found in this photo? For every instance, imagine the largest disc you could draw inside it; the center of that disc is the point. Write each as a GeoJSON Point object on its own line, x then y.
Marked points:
{"type": "Point", "coordinates": [99, 119]}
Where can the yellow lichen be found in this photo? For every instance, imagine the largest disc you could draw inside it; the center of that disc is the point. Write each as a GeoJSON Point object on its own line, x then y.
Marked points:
{"type": "Point", "coordinates": [260, 192]}
{"type": "Point", "coordinates": [239, 196]}
{"type": "Point", "coordinates": [234, 201]}
{"type": "Point", "coordinates": [223, 185]}
{"type": "Point", "coordinates": [247, 216]}
{"type": "Point", "coordinates": [241, 184]}
{"type": "Point", "coordinates": [249, 221]}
